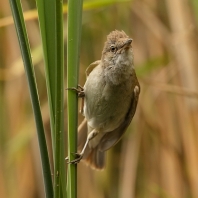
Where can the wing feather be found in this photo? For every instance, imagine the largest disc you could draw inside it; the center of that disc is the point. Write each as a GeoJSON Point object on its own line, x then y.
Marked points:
{"type": "Point", "coordinates": [111, 138]}
{"type": "Point", "coordinates": [91, 67]}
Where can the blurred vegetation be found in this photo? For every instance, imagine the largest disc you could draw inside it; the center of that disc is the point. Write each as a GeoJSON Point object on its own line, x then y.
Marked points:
{"type": "Point", "coordinates": [158, 156]}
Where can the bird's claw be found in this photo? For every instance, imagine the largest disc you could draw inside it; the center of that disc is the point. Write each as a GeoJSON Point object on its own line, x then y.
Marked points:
{"type": "Point", "coordinates": [75, 161]}
{"type": "Point", "coordinates": [79, 90]}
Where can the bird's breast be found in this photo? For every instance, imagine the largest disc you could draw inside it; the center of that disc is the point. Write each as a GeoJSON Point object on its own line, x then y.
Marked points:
{"type": "Point", "coordinates": [106, 104]}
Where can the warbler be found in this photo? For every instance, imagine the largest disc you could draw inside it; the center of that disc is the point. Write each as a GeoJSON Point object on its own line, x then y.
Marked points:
{"type": "Point", "coordinates": [111, 93]}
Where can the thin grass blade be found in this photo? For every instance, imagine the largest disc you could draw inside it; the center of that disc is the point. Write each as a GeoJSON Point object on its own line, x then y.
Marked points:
{"type": "Point", "coordinates": [73, 46]}
{"type": "Point", "coordinates": [26, 55]}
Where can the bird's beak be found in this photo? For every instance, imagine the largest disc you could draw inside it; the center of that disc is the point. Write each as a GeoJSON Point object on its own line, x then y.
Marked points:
{"type": "Point", "coordinates": [127, 43]}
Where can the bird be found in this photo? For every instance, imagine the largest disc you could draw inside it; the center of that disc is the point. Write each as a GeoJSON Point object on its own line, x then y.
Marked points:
{"type": "Point", "coordinates": [110, 97]}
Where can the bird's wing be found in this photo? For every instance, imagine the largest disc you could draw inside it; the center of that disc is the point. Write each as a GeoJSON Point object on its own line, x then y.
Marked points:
{"type": "Point", "coordinates": [111, 138]}
{"type": "Point", "coordinates": [91, 67]}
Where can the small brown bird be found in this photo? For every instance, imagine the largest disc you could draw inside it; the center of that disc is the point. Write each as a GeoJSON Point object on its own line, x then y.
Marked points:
{"type": "Point", "coordinates": [111, 95]}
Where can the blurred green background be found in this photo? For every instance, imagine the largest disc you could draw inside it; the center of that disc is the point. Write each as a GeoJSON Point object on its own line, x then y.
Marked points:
{"type": "Point", "coordinates": [158, 156]}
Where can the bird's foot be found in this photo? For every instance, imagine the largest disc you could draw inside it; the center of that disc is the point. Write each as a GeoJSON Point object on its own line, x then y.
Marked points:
{"type": "Point", "coordinates": [79, 90]}
{"type": "Point", "coordinates": [75, 161]}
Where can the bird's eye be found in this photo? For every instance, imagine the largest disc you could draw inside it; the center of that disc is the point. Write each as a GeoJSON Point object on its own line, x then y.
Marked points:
{"type": "Point", "coordinates": [113, 48]}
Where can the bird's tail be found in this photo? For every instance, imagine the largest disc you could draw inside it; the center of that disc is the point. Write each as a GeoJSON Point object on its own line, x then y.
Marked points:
{"type": "Point", "coordinates": [95, 158]}
{"type": "Point", "coordinates": [92, 156]}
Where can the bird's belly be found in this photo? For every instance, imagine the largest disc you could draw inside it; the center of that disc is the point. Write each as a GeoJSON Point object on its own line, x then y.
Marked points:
{"type": "Point", "coordinates": [105, 109]}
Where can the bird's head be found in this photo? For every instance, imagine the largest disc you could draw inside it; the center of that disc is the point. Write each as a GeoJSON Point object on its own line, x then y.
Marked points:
{"type": "Point", "coordinates": [117, 48]}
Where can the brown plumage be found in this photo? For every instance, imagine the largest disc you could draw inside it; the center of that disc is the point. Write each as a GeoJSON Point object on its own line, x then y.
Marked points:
{"type": "Point", "coordinates": [111, 96]}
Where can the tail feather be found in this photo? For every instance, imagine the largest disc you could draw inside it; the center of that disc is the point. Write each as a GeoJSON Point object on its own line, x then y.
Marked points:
{"type": "Point", "coordinates": [92, 156]}
{"type": "Point", "coordinates": [95, 159]}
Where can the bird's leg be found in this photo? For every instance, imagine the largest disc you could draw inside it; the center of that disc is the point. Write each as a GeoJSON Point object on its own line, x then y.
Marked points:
{"type": "Point", "coordinates": [81, 94]}
{"type": "Point", "coordinates": [82, 106]}
{"type": "Point", "coordinates": [91, 135]}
